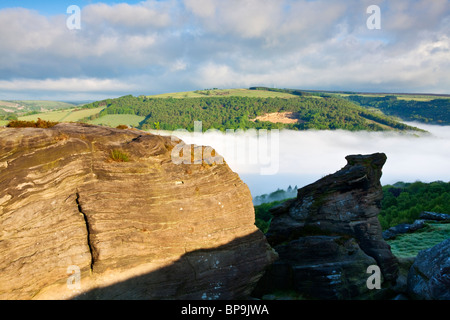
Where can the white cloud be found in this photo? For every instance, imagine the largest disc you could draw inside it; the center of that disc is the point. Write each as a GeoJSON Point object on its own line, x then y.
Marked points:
{"type": "Point", "coordinates": [66, 85]}
{"type": "Point", "coordinates": [305, 156]}
{"type": "Point", "coordinates": [202, 8]}
{"type": "Point", "coordinates": [143, 15]}
{"type": "Point", "coordinates": [191, 44]}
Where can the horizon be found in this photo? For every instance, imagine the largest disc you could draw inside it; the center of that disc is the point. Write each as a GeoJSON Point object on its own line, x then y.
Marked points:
{"type": "Point", "coordinates": [107, 49]}
{"type": "Point", "coordinates": [300, 89]}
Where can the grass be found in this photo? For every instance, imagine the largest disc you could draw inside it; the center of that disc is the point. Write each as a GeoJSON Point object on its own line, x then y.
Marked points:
{"type": "Point", "coordinates": [78, 114]}
{"type": "Point", "coordinates": [49, 116]}
{"type": "Point", "coordinates": [406, 97]}
{"type": "Point", "coordinates": [409, 245]}
{"type": "Point", "coordinates": [114, 120]}
{"type": "Point", "coordinates": [24, 106]}
{"type": "Point", "coordinates": [119, 156]}
{"type": "Point", "coordinates": [66, 115]}
{"type": "Point", "coordinates": [45, 104]}
{"type": "Point", "coordinates": [225, 93]}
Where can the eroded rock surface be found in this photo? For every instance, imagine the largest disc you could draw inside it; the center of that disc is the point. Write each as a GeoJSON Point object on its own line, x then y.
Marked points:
{"type": "Point", "coordinates": [179, 230]}
{"type": "Point", "coordinates": [429, 276]}
{"type": "Point", "coordinates": [330, 234]}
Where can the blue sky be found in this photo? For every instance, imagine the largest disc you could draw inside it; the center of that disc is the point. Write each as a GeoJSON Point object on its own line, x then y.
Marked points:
{"type": "Point", "coordinates": [48, 7]}
{"type": "Point", "coordinates": [147, 47]}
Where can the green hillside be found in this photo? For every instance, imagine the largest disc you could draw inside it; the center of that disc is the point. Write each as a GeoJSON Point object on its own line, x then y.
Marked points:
{"type": "Point", "coordinates": [225, 93]}
{"type": "Point", "coordinates": [23, 106]}
{"type": "Point", "coordinates": [242, 109]}
{"type": "Point", "coordinates": [426, 109]}
{"type": "Point", "coordinates": [65, 115]}
{"type": "Point", "coordinates": [256, 107]}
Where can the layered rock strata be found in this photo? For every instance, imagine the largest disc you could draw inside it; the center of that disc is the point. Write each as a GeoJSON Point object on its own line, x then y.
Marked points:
{"type": "Point", "coordinates": [329, 235]}
{"type": "Point", "coordinates": [77, 224]}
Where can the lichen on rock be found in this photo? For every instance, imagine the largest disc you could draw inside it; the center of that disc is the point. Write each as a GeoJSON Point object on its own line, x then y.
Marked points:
{"type": "Point", "coordinates": [129, 227]}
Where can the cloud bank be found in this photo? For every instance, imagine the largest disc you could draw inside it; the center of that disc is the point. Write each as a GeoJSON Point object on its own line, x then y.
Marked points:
{"type": "Point", "coordinates": [302, 157]}
{"type": "Point", "coordinates": [178, 45]}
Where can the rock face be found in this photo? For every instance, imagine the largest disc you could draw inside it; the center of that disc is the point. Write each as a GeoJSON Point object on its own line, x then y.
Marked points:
{"type": "Point", "coordinates": [420, 223]}
{"type": "Point", "coordinates": [76, 224]}
{"type": "Point", "coordinates": [434, 216]}
{"type": "Point", "coordinates": [402, 228]}
{"type": "Point", "coordinates": [330, 234]}
{"type": "Point", "coordinates": [429, 276]}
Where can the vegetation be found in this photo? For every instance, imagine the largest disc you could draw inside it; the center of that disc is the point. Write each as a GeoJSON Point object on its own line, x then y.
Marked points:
{"type": "Point", "coordinates": [66, 115]}
{"type": "Point", "coordinates": [35, 105]}
{"type": "Point", "coordinates": [236, 112]}
{"type": "Point", "coordinates": [403, 202]}
{"type": "Point", "coordinates": [119, 156]}
{"type": "Point", "coordinates": [277, 195]}
{"type": "Point", "coordinates": [434, 111]}
{"type": "Point", "coordinates": [114, 120]}
{"type": "Point", "coordinates": [409, 244]}
{"type": "Point", "coordinates": [238, 109]}
{"type": "Point", "coordinates": [31, 124]}
{"type": "Point", "coordinates": [214, 92]}
{"type": "Point", "coordinates": [263, 217]}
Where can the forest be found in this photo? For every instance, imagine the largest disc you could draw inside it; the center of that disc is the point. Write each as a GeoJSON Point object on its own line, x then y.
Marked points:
{"type": "Point", "coordinates": [403, 202]}
{"type": "Point", "coordinates": [236, 112]}
{"type": "Point", "coordinates": [435, 111]}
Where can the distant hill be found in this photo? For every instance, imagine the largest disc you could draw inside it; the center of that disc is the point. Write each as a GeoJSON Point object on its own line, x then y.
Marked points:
{"type": "Point", "coordinates": [238, 108]}
{"type": "Point", "coordinates": [420, 107]}
{"type": "Point", "coordinates": [22, 106]}
{"type": "Point", "coordinates": [214, 92]}
{"type": "Point", "coordinates": [247, 109]}
{"type": "Point", "coordinates": [432, 110]}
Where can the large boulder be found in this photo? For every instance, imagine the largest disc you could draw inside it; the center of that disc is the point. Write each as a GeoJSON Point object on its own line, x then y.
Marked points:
{"type": "Point", "coordinates": [427, 215]}
{"type": "Point", "coordinates": [402, 228]}
{"type": "Point", "coordinates": [429, 276]}
{"type": "Point", "coordinates": [337, 216]}
{"type": "Point", "coordinates": [77, 224]}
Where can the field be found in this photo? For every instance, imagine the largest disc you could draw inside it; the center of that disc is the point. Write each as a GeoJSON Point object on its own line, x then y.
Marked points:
{"type": "Point", "coordinates": [225, 93]}
{"type": "Point", "coordinates": [74, 115]}
{"type": "Point", "coordinates": [405, 97]}
{"type": "Point", "coordinates": [405, 107]}
{"type": "Point", "coordinates": [66, 115]}
{"type": "Point", "coordinates": [34, 105]}
{"type": "Point", "coordinates": [113, 120]}
{"type": "Point", "coordinates": [408, 245]}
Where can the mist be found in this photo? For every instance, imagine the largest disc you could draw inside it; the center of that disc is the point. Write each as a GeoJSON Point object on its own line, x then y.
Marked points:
{"type": "Point", "coordinates": [267, 161]}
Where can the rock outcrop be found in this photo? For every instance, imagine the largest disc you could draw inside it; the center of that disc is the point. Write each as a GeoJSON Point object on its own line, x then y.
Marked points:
{"type": "Point", "coordinates": [402, 228]}
{"type": "Point", "coordinates": [420, 223]}
{"type": "Point", "coordinates": [426, 215]}
{"type": "Point", "coordinates": [429, 276]}
{"type": "Point", "coordinates": [329, 235]}
{"type": "Point", "coordinates": [77, 224]}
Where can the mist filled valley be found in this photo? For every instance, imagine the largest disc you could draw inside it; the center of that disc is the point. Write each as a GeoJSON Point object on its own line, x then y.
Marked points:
{"type": "Point", "coordinates": [239, 151]}
{"type": "Point", "coordinates": [297, 158]}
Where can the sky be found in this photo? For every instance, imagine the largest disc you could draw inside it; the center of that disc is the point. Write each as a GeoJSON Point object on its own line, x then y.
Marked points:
{"type": "Point", "coordinates": [151, 47]}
